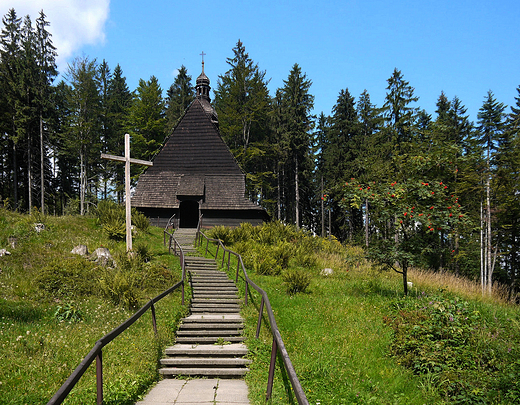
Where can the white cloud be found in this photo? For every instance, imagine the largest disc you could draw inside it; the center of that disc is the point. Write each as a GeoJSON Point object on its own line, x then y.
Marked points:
{"type": "Point", "coordinates": [73, 23]}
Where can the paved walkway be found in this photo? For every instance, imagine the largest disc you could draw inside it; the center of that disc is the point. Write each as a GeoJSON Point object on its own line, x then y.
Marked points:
{"type": "Point", "coordinates": [201, 391]}
{"type": "Point", "coordinates": [198, 391]}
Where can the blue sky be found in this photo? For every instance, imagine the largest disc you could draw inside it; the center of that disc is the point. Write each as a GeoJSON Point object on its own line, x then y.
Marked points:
{"type": "Point", "coordinates": [461, 47]}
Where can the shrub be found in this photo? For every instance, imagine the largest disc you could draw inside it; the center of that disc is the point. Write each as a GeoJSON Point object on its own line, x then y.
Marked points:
{"type": "Point", "coordinates": [140, 221]}
{"type": "Point", "coordinates": [224, 234]}
{"type": "Point", "coordinates": [67, 312]}
{"type": "Point", "coordinates": [112, 218]}
{"type": "Point", "coordinates": [120, 286]}
{"type": "Point", "coordinates": [296, 280]}
{"type": "Point", "coordinates": [67, 277]}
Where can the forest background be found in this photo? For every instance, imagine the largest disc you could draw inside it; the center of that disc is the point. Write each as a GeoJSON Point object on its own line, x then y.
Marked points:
{"type": "Point", "coordinates": [366, 174]}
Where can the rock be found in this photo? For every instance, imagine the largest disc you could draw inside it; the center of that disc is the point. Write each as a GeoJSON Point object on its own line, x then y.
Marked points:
{"type": "Point", "coordinates": [102, 256]}
{"type": "Point", "coordinates": [327, 272]}
{"type": "Point", "coordinates": [4, 252]}
{"type": "Point", "coordinates": [39, 227]}
{"type": "Point", "coordinates": [12, 242]}
{"type": "Point", "coordinates": [81, 250]}
{"type": "Point", "coordinates": [410, 284]}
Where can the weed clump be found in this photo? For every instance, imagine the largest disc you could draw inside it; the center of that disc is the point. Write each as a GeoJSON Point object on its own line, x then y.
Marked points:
{"type": "Point", "coordinates": [296, 280]}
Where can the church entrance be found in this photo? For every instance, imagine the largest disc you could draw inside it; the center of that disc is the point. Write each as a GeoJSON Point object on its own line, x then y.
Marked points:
{"type": "Point", "coordinates": [189, 214]}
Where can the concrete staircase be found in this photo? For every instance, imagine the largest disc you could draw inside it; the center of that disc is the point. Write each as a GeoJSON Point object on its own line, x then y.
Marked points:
{"type": "Point", "coordinates": [209, 340]}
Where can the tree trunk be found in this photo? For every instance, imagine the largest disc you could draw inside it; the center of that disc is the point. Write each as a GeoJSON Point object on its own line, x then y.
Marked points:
{"type": "Point", "coordinates": [82, 182]}
{"type": "Point", "coordinates": [297, 191]}
{"type": "Point", "coordinates": [29, 171]}
{"type": "Point", "coordinates": [366, 222]}
{"type": "Point", "coordinates": [489, 246]}
{"type": "Point", "coordinates": [42, 168]}
{"type": "Point", "coordinates": [15, 177]}
{"type": "Point", "coordinates": [322, 210]}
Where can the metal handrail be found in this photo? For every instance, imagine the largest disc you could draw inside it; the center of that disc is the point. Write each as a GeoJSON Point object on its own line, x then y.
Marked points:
{"type": "Point", "coordinates": [96, 352]}
{"type": "Point", "coordinates": [278, 345]}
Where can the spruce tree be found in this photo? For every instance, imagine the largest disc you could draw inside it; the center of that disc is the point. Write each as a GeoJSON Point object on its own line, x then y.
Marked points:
{"type": "Point", "coordinates": [178, 97]}
{"type": "Point", "coordinates": [295, 124]}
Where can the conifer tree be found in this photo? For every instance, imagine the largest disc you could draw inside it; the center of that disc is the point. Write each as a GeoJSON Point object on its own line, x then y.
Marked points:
{"type": "Point", "coordinates": [491, 127]}
{"type": "Point", "coordinates": [147, 121]}
{"type": "Point", "coordinates": [85, 105]}
{"type": "Point", "coordinates": [295, 124]}
{"type": "Point", "coordinates": [47, 70]}
{"type": "Point", "coordinates": [178, 97]}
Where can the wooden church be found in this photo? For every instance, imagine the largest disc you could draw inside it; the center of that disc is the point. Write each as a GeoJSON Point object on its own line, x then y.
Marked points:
{"type": "Point", "coordinates": [195, 173]}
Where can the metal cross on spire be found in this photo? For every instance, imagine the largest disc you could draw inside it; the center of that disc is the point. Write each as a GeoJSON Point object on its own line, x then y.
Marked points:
{"type": "Point", "coordinates": [202, 54]}
{"type": "Point", "coordinates": [127, 161]}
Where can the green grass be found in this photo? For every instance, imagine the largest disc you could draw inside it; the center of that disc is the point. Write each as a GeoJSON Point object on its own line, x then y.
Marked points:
{"type": "Point", "coordinates": [38, 352]}
{"type": "Point", "coordinates": [345, 349]}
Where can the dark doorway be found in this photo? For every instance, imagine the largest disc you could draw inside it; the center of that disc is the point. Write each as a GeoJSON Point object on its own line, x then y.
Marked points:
{"type": "Point", "coordinates": [189, 214]}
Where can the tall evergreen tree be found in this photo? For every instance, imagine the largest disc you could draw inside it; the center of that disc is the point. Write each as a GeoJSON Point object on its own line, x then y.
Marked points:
{"type": "Point", "coordinates": [398, 111]}
{"type": "Point", "coordinates": [147, 121]}
{"type": "Point", "coordinates": [341, 162]}
{"type": "Point", "coordinates": [85, 122]}
{"type": "Point", "coordinates": [296, 122]}
{"type": "Point", "coordinates": [10, 55]}
{"type": "Point", "coordinates": [491, 128]}
{"type": "Point", "coordinates": [243, 105]}
{"type": "Point", "coordinates": [47, 71]}
{"type": "Point", "coordinates": [119, 102]}
{"type": "Point", "coordinates": [178, 97]}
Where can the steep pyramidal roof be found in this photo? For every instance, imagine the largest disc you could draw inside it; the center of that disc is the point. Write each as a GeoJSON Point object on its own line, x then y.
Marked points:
{"type": "Point", "coordinates": [194, 164]}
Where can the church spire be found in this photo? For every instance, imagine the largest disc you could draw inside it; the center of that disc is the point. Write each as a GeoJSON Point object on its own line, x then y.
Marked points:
{"type": "Point", "coordinates": [202, 85]}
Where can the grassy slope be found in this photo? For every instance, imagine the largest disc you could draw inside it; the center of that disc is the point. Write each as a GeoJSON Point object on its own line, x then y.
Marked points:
{"type": "Point", "coordinates": [340, 345]}
{"type": "Point", "coordinates": [334, 333]}
{"type": "Point", "coordinates": [37, 353]}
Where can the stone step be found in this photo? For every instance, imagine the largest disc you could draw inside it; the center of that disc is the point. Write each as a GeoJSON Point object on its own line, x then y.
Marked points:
{"type": "Point", "coordinates": [207, 372]}
{"type": "Point", "coordinates": [205, 361]}
{"type": "Point", "coordinates": [218, 310]}
{"type": "Point", "coordinates": [211, 325]}
{"type": "Point", "coordinates": [203, 333]}
{"type": "Point", "coordinates": [216, 285]}
{"type": "Point", "coordinates": [212, 300]}
{"type": "Point", "coordinates": [231, 318]}
{"type": "Point", "coordinates": [214, 305]}
{"type": "Point", "coordinates": [234, 349]}
{"type": "Point", "coordinates": [208, 339]}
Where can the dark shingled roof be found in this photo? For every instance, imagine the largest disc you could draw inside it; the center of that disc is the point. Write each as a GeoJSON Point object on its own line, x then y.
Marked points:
{"type": "Point", "coordinates": [194, 163]}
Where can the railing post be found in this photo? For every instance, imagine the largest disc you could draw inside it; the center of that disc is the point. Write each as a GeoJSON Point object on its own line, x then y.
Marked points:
{"type": "Point", "coordinates": [260, 312]}
{"type": "Point", "coordinates": [207, 245]}
{"type": "Point", "coordinates": [216, 253]}
{"type": "Point", "coordinates": [238, 269]}
{"type": "Point", "coordinates": [271, 370]}
{"type": "Point", "coordinates": [99, 377]}
{"type": "Point", "coordinates": [245, 299]}
{"type": "Point", "coordinates": [154, 321]}
{"type": "Point", "coordinates": [223, 255]}
{"type": "Point", "coordinates": [228, 260]}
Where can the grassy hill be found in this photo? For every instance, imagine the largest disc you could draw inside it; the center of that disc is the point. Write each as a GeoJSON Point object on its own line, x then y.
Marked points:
{"type": "Point", "coordinates": [352, 336]}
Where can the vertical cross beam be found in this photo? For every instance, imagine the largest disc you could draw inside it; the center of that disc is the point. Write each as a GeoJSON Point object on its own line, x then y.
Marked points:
{"type": "Point", "coordinates": [128, 205]}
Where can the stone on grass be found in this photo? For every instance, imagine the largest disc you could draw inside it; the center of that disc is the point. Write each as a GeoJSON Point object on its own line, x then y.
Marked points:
{"type": "Point", "coordinates": [410, 284]}
{"type": "Point", "coordinates": [81, 250]}
{"type": "Point", "coordinates": [39, 227]}
{"type": "Point", "coordinates": [102, 256]}
{"type": "Point", "coordinates": [327, 272]}
{"type": "Point", "coordinates": [4, 252]}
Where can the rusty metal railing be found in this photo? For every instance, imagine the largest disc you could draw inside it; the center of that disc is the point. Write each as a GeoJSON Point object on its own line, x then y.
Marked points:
{"type": "Point", "coordinates": [278, 345]}
{"type": "Point", "coordinates": [97, 351]}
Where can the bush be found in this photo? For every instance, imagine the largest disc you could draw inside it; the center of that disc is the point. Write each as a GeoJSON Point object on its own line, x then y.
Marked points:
{"type": "Point", "coordinates": [296, 280]}
{"type": "Point", "coordinates": [140, 221]}
{"type": "Point", "coordinates": [111, 217]}
{"type": "Point", "coordinates": [68, 312]}
{"type": "Point", "coordinates": [72, 277]}
{"type": "Point", "coordinates": [224, 234]}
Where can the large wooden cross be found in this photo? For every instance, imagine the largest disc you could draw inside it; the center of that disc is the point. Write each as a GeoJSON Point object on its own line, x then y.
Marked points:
{"type": "Point", "coordinates": [127, 161]}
